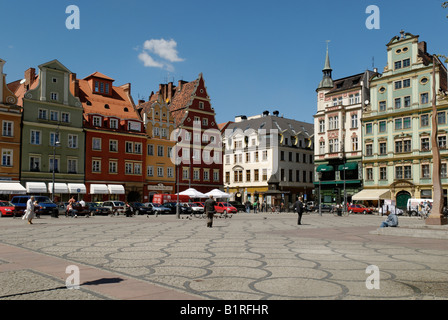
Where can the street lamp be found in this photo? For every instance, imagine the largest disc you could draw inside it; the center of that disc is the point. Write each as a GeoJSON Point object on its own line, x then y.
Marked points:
{"type": "Point", "coordinates": [344, 167]}
{"type": "Point", "coordinates": [319, 176]}
{"type": "Point", "coordinates": [56, 143]}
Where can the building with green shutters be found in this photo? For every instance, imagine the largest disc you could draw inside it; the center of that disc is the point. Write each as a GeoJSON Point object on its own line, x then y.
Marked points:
{"type": "Point", "coordinates": [52, 133]}
{"type": "Point", "coordinates": [397, 156]}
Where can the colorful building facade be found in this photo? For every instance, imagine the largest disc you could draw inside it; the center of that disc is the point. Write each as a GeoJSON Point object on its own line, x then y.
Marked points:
{"type": "Point", "coordinates": [114, 139]}
{"type": "Point", "coordinates": [397, 155]}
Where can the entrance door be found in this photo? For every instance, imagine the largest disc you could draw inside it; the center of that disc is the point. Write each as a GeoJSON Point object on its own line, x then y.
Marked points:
{"type": "Point", "coordinates": [402, 199]}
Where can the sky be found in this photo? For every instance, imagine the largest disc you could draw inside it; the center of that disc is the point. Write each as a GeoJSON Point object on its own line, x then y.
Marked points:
{"type": "Point", "coordinates": [254, 55]}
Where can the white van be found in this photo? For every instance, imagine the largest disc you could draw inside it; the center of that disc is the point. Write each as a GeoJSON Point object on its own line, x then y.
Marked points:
{"type": "Point", "coordinates": [415, 206]}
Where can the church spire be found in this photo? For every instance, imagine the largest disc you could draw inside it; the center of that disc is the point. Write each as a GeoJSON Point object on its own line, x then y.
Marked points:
{"type": "Point", "coordinates": [327, 81]}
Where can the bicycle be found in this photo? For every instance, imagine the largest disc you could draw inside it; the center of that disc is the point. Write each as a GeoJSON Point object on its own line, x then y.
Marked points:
{"type": "Point", "coordinates": [199, 215]}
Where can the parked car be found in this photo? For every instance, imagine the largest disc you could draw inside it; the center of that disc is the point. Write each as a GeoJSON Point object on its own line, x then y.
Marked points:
{"type": "Point", "coordinates": [224, 207]}
{"type": "Point", "coordinates": [45, 205]}
{"type": "Point", "coordinates": [196, 207]}
{"type": "Point", "coordinates": [359, 208]}
{"type": "Point", "coordinates": [6, 209]}
{"type": "Point", "coordinates": [184, 208]}
{"type": "Point", "coordinates": [97, 208]}
{"type": "Point", "coordinates": [238, 205]}
{"type": "Point", "coordinates": [324, 208]}
{"type": "Point", "coordinates": [115, 207]}
{"type": "Point", "coordinates": [140, 208]}
{"type": "Point", "coordinates": [157, 208]}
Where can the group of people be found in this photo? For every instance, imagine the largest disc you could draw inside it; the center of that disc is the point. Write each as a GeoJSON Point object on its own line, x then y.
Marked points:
{"type": "Point", "coordinates": [71, 211]}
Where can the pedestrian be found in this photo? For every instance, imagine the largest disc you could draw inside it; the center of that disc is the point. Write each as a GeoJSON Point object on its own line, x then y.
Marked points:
{"type": "Point", "coordinates": [299, 208]}
{"type": "Point", "coordinates": [391, 221]}
{"type": "Point", "coordinates": [247, 206]}
{"type": "Point", "coordinates": [29, 211]}
{"type": "Point", "coordinates": [255, 206]}
{"type": "Point", "coordinates": [129, 210]}
{"type": "Point", "coordinates": [210, 210]}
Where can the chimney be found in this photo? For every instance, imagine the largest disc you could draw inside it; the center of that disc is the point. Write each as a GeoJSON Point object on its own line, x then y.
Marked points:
{"type": "Point", "coordinates": [170, 91]}
{"type": "Point", "coordinates": [422, 47]}
{"type": "Point", "coordinates": [265, 113]}
{"type": "Point", "coordinates": [30, 76]}
{"type": "Point", "coordinates": [127, 88]}
{"type": "Point", "coordinates": [74, 85]}
{"type": "Point", "coordinates": [141, 102]}
{"type": "Point", "coordinates": [276, 113]}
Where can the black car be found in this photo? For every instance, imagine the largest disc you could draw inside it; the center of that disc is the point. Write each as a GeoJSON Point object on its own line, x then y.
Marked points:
{"type": "Point", "coordinates": [184, 208]}
{"type": "Point", "coordinates": [324, 208]}
{"type": "Point", "coordinates": [238, 205]}
{"type": "Point", "coordinates": [140, 208]}
{"type": "Point", "coordinates": [97, 209]}
{"type": "Point", "coordinates": [45, 205]}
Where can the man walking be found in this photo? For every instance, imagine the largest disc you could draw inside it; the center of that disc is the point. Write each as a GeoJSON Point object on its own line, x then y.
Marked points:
{"type": "Point", "coordinates": [210, 211]}
{"type": "Point", "coordinates": [299, 208]}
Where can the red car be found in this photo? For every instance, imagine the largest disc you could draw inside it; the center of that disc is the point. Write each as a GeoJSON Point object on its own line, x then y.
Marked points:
{"type": "Point", "coordinates": [359, 208]}
{"type": "Point", "coordinates": [223, 207]}
{"type": "Point", "coordinates": [6, 209]}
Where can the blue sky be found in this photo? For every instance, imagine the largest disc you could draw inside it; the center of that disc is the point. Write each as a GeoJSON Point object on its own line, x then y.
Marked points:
{"type": "Point", "coordinates": [254, 55]}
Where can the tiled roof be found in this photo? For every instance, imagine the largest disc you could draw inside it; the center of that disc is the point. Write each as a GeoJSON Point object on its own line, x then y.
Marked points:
{"type": "Point", "coordinates": [117, 102]}
{"type": "Point", "coordinates": [21, 89]}
{"type": "Point", "coordinates": [98, 75]}
{"type": "Point", "coordinates": [181, 101]}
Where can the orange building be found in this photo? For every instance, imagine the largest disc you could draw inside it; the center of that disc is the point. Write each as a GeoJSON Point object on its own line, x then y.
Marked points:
{"type": "Point", "coordinates": [10, 119]}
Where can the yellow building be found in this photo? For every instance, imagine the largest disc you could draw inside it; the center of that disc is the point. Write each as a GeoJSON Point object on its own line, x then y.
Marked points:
{"type": "Point", "coordinates": [10, 119]}
{"type": "Point", "coordinates": [160, 170]}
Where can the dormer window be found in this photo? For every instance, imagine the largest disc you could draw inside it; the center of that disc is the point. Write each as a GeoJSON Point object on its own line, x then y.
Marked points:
{"type": "Point", "coordinates": [97, 84]}
{"type": "Point", "coordinates": [113, 123]}
{"type": "Point", "coordinates": [126, 110]}
{"type": "Point", "coordinates": [106, 106]}
{"type": "Point", "coordinates": [96, 121]}
{"type": "Point", "coordinates": [107, 88]}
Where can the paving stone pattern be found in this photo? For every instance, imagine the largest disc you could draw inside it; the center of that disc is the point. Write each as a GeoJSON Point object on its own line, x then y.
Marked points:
{"type": "Point", "coordinates": [247, 257]}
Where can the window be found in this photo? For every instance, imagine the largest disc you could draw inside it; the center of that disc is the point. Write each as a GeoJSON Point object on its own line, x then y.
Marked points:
{"type": "Point", "coordinates": [113, 145]}
{"type": "Point", "coordinates": [264, 155]}
{"type": "Point", "coordinates": [424, 98]}
{"type": "Point", "coordinates": [206, 175]}
{"type": "Point", "coordinates": [156, 132]}
{"type": "Point", "coordinates": [382, 126]}
{"type": "Point", "coordinates": [150, 171]}
{"type": "Point", "coordinates": [65, 117]}
{"type": "Point", "coordinates": [107, 88]}
{"type": "Point", "coordinates": [54, 96]}
{"type": "Point", "coordinates": [383, 173]}
{"type": "Point", "coordinates": [407, 101]}
{"type": "Point", "coordinates": [96, 144]}
{"type": "Point", "coordinates": [354, 144]}
{"type": "Point", "coordinates": [42, 114]}
{"type": "Point", "coordinates": [441, 117]}
{"type": "Point", "coordinates": [406, 62]}
{"type": "Point", "coordinates": [442, 142]}
{"type": "Point", "coordinates": [54, 115]}
{"type": "Point", "coordinates": [398, 85]}
{"type": "Point", "coordinates": [407, 147]}
{"type": "Point", "coordinates": [128, 168]}
{"type": "Point", "coordinates": [137, 168]}
{"type": "Point", "coordinates": [129, 147]}
{"type": "Point", "coordinates": [72, 141]}
{"type": "Point", "coordinates": [369, 173]}
{"type": "Point", "coordinates": [425, 144]}
{"type": "Point", "coordinates": [383, 148]}
{"type": "Point", "coordinates": [138, 148]}
{"type": "Point", "coordinates": [96, 121]}
{"type": "Point", "coordinates": [398, 172]}
{"type": "Point", "coordinates": [96, 166]}
{"type": "Point", "coordinates": [150, 149]}
{"type": "Point", "coordinates": [96, 86]}
{"type": "Point", "coordinates": [227, 177]}
{"type": "Point", "coordinates": [397, 103]}
{"type": "Point", "coordinates": [354, 121]}
{"type": "Point", "coordinates": [215, 175]}
{"type": "Point", "coordinates": [322, 126]}
{"type": "Point", "coordinates": [424, 120]}
{"type": "Point", "coordinates": [425, 171]}
{"type": "Point", "coordinates": [34, 164]}
{"type": "Point", "coordinates": [196, 174]}
{"type": "Point", "coordinates": [160, 151]}
{"type": "Point", "coordinates": [8, 129]}
{"type": "Point", "coordinates": [201, 105]}
{"type": "Point", "coordinates": [35, 137]}
{"type": "Point", "coordinates": [382, 105]}
{"type": "Point", "coordinates": [72, 166]}
{"type": "Point", "coordinates": [398, 146]}
{"type": "Point", "coordinates": [54, 138]}
{"type": "Point", "coordinates": [398, 124]}
{"type": "Point", "coordinates": [369, 128]}
{"type": "Point", "coordinates": [406, 122]}
{"type": "Point", "coordinates": [406, 83]}
{"type": "Point", "coordinates": [407, 172]}
{"type": "Point", "coordinates": [113, 165]}
{"type": "Point", "coordinates": [113, 123]}
{"type": "Point", "coordinates": [7, 158]}
{"type": "Point", "coordinates": [205, 122]}
{"type": "Point", "coordinates": [170, 172]}
{"type": "Point", "coordinates": [164, 135]}
{"type": "Point", "coordinates": [369, 149]}
{"type": "Point", "coordinates": [265, 174]}
{"type": "Point", "coordinates": [397, 64]}
{"type": "Point", "coordinates": [169, 152]}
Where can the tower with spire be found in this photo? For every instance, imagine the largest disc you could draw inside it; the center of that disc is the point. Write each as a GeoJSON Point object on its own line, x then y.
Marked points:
{"type": "Point", "coordinates": [327, 81]}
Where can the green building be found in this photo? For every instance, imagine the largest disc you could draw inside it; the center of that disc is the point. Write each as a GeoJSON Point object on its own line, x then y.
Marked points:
{"type": "Point", "coordinates": [52, 133]}
{"type": "Point", "coordinates": [397, 156]}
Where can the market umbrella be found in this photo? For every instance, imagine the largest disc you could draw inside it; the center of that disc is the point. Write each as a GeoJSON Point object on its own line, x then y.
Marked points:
{"type": "Point", "coordinates": [216, 193]}
{"type": "Point", "coordinates": [193, 193]}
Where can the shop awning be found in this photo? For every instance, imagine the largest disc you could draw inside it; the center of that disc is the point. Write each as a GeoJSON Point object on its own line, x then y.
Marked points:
{"type": "Point", "coordinates": [99, 189]}
{"type": "Point", "coordinates": [11, 188]}
{"type": "Point", "coordinates": [372, 194]}
{"type": "Point", "coordinates": [36, 187]}
{"type": "Point", "coordinates": [74, 188]}
{"type": "Point", "coordinates": [116, 189]}
{"type": "Point", "coordinates": [324, 168]}
{"type": "Point", "coordinates": [58, 188]}
{"type": "Point", "coordinates": [348, 166]}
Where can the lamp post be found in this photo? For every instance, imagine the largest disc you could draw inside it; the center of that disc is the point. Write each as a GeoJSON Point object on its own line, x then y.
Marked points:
{"type": "Point", "coordinates": [344, 168]}
{"type": "Point", "coordinates": [319, 175]}
{"type": "Point", "coordinates": [56, 143]}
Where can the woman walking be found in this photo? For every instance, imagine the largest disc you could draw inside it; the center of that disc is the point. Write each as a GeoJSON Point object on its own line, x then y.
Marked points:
{"type": "Point", "coordinates": [29, 211]}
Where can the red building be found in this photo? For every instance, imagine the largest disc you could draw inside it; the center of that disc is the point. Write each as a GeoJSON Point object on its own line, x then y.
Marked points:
{"type": "Point", "coordinates": [115, 140]}
{"type": "Point", "coordinates": [198, 146]}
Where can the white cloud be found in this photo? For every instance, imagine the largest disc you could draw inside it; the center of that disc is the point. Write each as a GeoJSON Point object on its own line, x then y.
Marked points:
{"type": "Point", "coordinates": [164, 49]}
